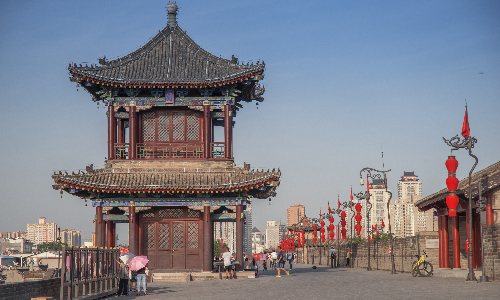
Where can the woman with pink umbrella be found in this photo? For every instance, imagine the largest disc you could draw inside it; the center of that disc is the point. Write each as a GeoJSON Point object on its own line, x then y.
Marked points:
{"type": "Point", "coordinates": [139, 263]}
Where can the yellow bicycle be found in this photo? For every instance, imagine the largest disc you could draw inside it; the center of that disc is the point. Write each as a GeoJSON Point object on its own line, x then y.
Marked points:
{"type": "Point", "coordinates": [422, 267]}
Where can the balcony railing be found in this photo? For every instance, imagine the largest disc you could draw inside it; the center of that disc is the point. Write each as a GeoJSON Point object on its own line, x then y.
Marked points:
{"type": "Point", "coordinates": [121, 151]}
{"type": "Point", "coordinates": [169, 150]}
{"type": "Point", "coordinates": [217, 150]}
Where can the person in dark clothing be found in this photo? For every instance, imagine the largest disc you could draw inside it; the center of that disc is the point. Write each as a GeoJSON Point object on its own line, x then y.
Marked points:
{"type": "Point", "coordinates": [281, 258]}
{"type": "Point", "coordinates": [123, 275]}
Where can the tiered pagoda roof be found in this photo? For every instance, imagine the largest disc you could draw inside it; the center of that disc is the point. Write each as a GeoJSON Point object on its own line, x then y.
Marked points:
{"type": "Point", "coordinates": [152, 180]}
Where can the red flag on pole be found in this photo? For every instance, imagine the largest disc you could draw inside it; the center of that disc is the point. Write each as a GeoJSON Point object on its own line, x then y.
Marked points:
{"type": "Point", "coordinates": [329, 209]}
{"type": "Point", "coordinates": [338, 199]}
{"type": "Point", "coordinates": [367, 184]}
{"type": "Point", "coordinates": [465, 126]}
{"type": "Point", "coordinates": [351, 194]}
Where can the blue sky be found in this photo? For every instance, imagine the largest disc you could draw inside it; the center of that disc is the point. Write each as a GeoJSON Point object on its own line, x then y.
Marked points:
{"type": "Point", "coordinates": [345, 80]}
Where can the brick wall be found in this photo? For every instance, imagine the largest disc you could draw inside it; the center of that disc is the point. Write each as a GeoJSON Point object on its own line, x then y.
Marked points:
{"type": "Point", "coordinates": [30, 289]}
{"type": "Point", "coordinates": [491, 240]}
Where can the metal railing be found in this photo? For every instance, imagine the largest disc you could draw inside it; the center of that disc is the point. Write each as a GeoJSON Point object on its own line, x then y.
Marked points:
{"type": "Point", "coordinates": [89, 273]}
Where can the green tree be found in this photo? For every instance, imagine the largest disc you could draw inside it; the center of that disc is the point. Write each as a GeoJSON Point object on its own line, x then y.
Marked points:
{"type": "Point", "coordinates": [217, 248]}
{"type": "Point", "coordinates": [50, 246]}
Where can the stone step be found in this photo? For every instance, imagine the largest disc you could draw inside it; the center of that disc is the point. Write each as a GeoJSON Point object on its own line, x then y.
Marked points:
{"type": "Point", "coordinates": [196, 276]}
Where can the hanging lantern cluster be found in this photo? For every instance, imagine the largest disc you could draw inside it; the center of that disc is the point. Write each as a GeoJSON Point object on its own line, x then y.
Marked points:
{"type": "Point", "coordinates": [303, 238]}
{"type": "Point", "coordinates": [331, 227]}
{"type": "Point", "coordinates": [358, 218]}
{"type": "Point", "coordinates": [315, 233]}
{"type": "Point", "coordinates": [452, 184]}
{"type": "Point", "coordinates": [343, 224]}
{"type": "Point", "coordinates": [323, 237]}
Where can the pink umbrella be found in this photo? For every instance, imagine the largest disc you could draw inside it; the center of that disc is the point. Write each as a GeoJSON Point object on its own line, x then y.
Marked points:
{"type": "Point", "coordinates": [138, 262]}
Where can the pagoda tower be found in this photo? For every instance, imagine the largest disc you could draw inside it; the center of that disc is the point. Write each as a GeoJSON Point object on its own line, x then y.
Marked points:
{"type": "Point", "coordinates": [164, 174]}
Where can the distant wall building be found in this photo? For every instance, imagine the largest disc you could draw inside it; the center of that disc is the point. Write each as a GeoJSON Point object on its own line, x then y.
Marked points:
{"type": "Point", "coordinates": [247, 230]}
{"type": "Point", "coordinates": [42, 232]}
{"type": "Point", "coordinates": [274, 232]}
{"type": "Point", "coordinates": [295, 213]}
{"type": "Point", "coordinates": [12, 246]}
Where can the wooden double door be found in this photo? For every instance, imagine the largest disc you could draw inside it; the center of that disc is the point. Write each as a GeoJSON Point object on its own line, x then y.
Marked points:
{"type": "Point", "coordinates": [172, 243]}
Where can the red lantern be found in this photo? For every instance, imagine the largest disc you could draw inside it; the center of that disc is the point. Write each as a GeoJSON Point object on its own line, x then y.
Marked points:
{"type": "Point", "coordinates": [331, 227]}
{"type": "Point", "coordinates": [451, 164]}
{"type": "Point", "coordinates": [315, 239]}
{"type": "Point", "coordinates": [332, 235]}
{"type": "Point", "coordinates": [315, 233]}
{"type": "Point", "coordinates": [331, 220]}
{"type": "Point", "coordinates": [343, 215]}
{"type": "Point", "coordinates": [378, 233]}
{"type": "Point", "coordinates": [323, 238]}
{"type": "Point", "coordinates": [303, 232]}
{"type": "Point", "coordinates": [322, 230]}
{"type": "Point", "coordinates": [357, 227]}
{"type": "Point", "coordinates": [358, 218]}
{"type": "Point", "coordinates": [315, 227]}
{"type": "Point", "coordinates": [452, 183]}
{"type": "Point", "coordinates": [303, 238]}
{"type": "Point", "coordinates": [303, 242]}
{"type": "Point", "coordinates": [357, 207]}
{"type": "Point", "coordinates": [343, 223]}
{"type": "Point", "coordinates": [322, 224]}
{"type": "Point", "coordinates": [452, 202]}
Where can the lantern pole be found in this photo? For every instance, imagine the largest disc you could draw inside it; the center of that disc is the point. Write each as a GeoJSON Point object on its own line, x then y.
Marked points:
{"type": "Point", "coordinates": [366, 196]}
{"type": "Point", "coordinates": [467, 143]}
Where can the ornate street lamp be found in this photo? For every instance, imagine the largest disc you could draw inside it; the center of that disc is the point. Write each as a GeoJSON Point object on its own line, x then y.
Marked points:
{"type": "Point", "coordinates": [366, 196]}
{"type": "Point", "coordinates": [467, 143]}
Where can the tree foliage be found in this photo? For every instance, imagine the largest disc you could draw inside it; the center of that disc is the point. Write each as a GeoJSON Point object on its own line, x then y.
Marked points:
{"type": "Point", "coordinates": [50, 246]}
{"type": "Point", "coordinates": [217, 248]}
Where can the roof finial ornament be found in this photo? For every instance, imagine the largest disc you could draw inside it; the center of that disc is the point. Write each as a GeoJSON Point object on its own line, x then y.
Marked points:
{"type": "Point", "coordinates": [172, 14]}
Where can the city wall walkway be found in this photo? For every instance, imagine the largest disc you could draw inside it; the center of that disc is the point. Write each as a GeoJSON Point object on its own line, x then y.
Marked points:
{"type": "Point", "coordinates": [325, 283]}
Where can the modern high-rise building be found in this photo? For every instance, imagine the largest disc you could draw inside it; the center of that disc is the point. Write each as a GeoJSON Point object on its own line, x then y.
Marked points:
{"type": "Point", "coordinates": [295, 213]}
{"type": "Point", "coordinates": [274, 232]}
{"type": "Point", "coordinates": [258, 241]}
{"type": "Point", "coordinates": [406, 220]}
{"type": "Point", "coordinates": [409, 185]}
{"type": "Point", "coordinates": [247, 230]}
{"type": "Point", "coordinates": [71, 237]}
{"type": "Point", "coordinates": [42, 232]}
{"type": "Point", "coordinates": [226, 231]}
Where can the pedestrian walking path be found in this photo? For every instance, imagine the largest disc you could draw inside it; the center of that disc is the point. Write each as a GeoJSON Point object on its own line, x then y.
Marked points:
{"type": "Point", "coordinates": [304, 282]}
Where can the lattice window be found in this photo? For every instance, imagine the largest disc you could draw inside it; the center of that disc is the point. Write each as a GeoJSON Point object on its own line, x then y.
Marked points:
{"type": "Point", "coordinates": [193, 214]}
{"type": "Point", "coordinates": [148, 127]}
{"type": "Point", "coordinates": [148, 214]}
{"type": "Point", "coordinates": [178, 126]}
{"type": "Point", "coordinates": [164, 235]}
{"type": "Point", "coordinates": [178, 235]}
{"type": "Point", "coordinates": [193, 235]}
{"type": "Point", "coordinates": [149, 228]}
{"type": "Point", "coordinates": [171, 213]}
{"type": "Point", "coordinates": [192, 126]}
{"type": "Point", "coordinates": [163, 126]}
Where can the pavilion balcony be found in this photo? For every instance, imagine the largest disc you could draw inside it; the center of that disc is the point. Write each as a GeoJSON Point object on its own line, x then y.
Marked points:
{"type": "Point", "coordinates": [169, 151]}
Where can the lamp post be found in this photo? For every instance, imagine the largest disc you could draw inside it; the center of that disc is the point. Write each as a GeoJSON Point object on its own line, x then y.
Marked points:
{"type": "Point", "coordinates": [366, 196]}
{"type": "Point", "coordinates": [467, 143]}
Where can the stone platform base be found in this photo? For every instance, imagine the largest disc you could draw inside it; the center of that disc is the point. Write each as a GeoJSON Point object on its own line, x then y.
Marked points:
{"type": "Point", "coordinates": [196, 276]}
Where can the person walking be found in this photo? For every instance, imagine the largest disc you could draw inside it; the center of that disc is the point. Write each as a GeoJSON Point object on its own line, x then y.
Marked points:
{"type": "Point", "coordinates": [333, 254]}
{"type": "Point", "coordinates": [274, 257]}
{"type": "Point", "coordinates": [227, 263]}
{"type": "Point", "coordinates": [123, 275]}
{"type": "Point", "coordinates": [281, 258]}
{"type": "Point", "coordinates": [348, 256]}
{"type": "Point", "coordinates": [290, 259]}
{"type": "Point", "coordinates": [142, 275]}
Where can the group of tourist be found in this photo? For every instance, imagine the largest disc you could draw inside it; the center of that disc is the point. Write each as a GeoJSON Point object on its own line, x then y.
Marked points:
{"type": "Point", "coordinates": [135, 278]}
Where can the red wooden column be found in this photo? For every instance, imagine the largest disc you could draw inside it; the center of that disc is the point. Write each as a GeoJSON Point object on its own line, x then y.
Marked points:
{"type": "Point", "coordinates": [446, 243]}
{"type": "Point", "coordinates": [132, 132]}
{"type": "Point", "coordinates": [440, 231]}
{"type": "Point", "coordinates": [207, 239]}
{"type": "Point", "coordinates": [207, 131]}
{"type": "Point", "coordinates": [228, 131]}
{"type": "Point", "coordinates": [490, 217]}
{"type": "Point", "coordinates": [109, 234]}
{"type": "Point", "coordinates": [138, 234]}
{"type": "Point", "coordinates": [103, 236]}
{"type": "Point", "coordinates": [456, 242]}
{"type": "Point", "coordinates": [239, 236]}
{"type": "Point", "coordinates": [98, 227]}
{"type": "Point", "coordinates": [111, 132]}
{"type": "Point", "coordinates": [131, 229]}
{"type": "Point", "coordinates": [113, 240]}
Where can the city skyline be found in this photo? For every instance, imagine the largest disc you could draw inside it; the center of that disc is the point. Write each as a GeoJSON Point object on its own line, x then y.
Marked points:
{"type": "Point", "coordinates": [344, 83]}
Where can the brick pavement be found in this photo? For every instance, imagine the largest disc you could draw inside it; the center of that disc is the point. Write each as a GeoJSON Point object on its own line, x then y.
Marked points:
{"type": "Point", "coordinates": [326, 283]}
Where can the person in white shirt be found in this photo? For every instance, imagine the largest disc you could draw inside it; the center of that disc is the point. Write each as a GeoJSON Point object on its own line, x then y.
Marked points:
{"type": "Point", "coordinates": [228, 264]}
{"type": "Point", "coordinates": [274, 257]}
